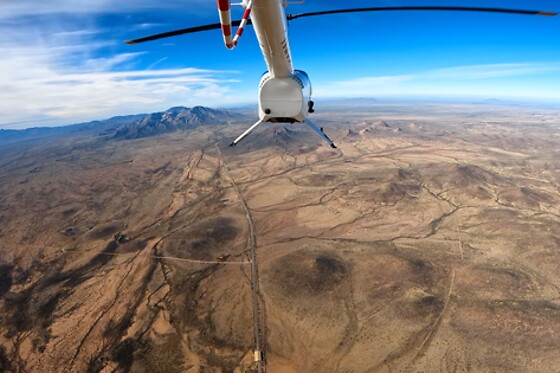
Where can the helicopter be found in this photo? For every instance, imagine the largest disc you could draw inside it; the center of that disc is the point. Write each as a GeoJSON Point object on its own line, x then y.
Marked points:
{"type": "Point", "coordinates": [285, 93]}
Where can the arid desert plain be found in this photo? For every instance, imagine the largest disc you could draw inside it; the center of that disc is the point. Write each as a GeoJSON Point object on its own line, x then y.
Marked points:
{"type": "Point", "coordinates": [429, 241]}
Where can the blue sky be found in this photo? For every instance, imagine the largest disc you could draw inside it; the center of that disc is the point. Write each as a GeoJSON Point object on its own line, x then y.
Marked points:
{"type": "Point", "coordinates": [64, 61]}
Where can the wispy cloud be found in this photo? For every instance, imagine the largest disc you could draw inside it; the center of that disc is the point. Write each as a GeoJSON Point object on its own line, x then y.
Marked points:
{"type": "Point", "coordinates": [375, 81]}
{"type": "Point", "coordinates": [469, 72]}
{"type": "Point", "coordinates": [61, 79]}
{"type": "Point", "coordinates": [47, 93]}
{"type": "Point", "coordinates": [25, 8]}
{"type": "Point", "coordinates": [454, 79]}
{"type": "Point", "coordinates": [109, 63]}
{"type": "Point", "coordinates": [57, 70]}
{"type": "Point", "coordinates": [153, 65]}
{"type": "Point", "coordinates": [493, 70]}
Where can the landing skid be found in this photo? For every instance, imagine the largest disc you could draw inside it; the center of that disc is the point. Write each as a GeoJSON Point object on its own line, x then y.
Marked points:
{"type": "Point", "coordinates": [307, 121]}
{"type": "Point", "coordinates": [320, 133]}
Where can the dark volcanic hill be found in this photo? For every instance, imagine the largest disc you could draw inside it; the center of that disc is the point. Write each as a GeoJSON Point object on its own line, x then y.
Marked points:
{"type": "Point", "coordinates": [296, 138]}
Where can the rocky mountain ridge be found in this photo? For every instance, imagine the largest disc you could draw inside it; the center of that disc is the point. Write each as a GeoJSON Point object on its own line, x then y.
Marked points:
{"type": "Point", "coordinates": [130, 126]}
{"type": "Point", "coordinates": [173, 119]}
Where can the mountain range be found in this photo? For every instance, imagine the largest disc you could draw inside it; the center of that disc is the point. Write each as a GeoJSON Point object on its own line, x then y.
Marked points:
{"type": "Point", "coordinates": [130, 126]}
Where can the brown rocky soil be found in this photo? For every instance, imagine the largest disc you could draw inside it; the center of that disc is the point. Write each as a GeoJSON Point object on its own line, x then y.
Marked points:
{"type": "Point", "coordinates": [427, 242]}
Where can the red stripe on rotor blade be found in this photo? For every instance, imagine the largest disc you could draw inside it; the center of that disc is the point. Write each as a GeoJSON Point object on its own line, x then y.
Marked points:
{"type": "Point", "coordinates": [226, 29]}
{"type": "Point", "coordinates": [223, 5]}
{"type": "Point", "coordinates": [247, 12]}
{"type": "Point", "coordinates": [239, 32]}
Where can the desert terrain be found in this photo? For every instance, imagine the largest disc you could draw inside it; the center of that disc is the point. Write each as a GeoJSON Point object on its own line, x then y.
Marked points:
{"type": "Point", "coordinates": [429, 241]}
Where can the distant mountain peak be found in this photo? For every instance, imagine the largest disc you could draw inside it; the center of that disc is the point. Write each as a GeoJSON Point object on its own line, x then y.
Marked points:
{"type": "Point", "coordinates": [173, 119]}
{"type": "Point", "coordinates": [176, 109]}
{"type": "Point", "coordinates": [132, 126]}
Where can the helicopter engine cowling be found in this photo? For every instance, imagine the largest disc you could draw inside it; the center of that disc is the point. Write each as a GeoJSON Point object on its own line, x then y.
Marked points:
{"type": "Point", "coordinates": [284, 99]}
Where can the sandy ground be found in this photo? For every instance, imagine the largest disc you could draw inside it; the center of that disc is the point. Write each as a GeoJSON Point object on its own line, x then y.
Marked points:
{"type": "Point", "coordinates": [427, 242]}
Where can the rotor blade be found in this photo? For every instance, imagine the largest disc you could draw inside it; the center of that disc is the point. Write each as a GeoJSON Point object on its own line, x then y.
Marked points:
{"type": "Point", "coordinates": [189, 30]}
{"type": "Point", "coordinates": [451, 8]}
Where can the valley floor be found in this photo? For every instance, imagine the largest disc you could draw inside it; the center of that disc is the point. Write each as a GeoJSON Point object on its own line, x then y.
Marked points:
{"type": "Point", "coordinates": [427, 242]}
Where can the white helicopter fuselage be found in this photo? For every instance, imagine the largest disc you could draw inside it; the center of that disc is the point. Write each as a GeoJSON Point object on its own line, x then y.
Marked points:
{"type": "Point", "coordinates": [284, 93]}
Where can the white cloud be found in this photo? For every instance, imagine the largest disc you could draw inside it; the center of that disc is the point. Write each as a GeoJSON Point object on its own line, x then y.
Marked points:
{"type": "Point", "coordinates": [40, 90]}
{"type": "Point", "coordinates": [493, 70]}
{"type": "Point", "coordinates": [375, 81]}
{"type": "Point", "coordinates": [52, 72]}
{"type": "Point", "coordinates": [153, 65]}
{"type": "Point", "coordinates": [458, 72]}
{"type": "Point", "coordinates": [108, 63]}
{"type": "Point", "coordinates": [23, 8]}
{"type": "Point", "coordinates": [39, 84]}
{"type": "Point", "coordinates": [469, 79]}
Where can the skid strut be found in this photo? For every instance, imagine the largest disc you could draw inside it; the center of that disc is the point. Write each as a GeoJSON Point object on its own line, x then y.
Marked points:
{"type": "Point", "coordinates": [244, 134]}
{"type": "Point", "coordinates": [307, 121]}
{"type": "Point", "coordinates": [320, 133]}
